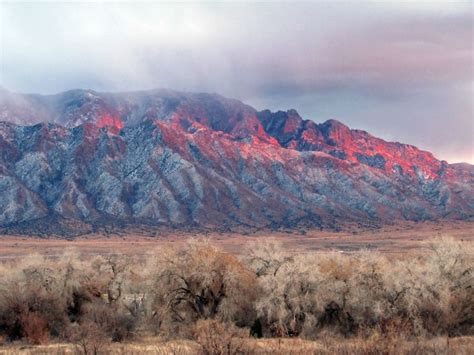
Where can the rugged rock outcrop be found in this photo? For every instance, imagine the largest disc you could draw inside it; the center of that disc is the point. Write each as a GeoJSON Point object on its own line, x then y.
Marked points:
{"type": "Point", "coordinates": [180, 159]}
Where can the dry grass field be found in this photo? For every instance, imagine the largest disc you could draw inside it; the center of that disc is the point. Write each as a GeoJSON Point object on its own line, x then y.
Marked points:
{"type": "Point", "coordinates": [440, 345]}
{"type": "Point", "coordinates": [395, 239]}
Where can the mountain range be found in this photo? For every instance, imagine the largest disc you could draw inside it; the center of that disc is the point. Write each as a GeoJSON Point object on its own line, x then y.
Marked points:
{"type": "Point", "coordinates": [82, 159]}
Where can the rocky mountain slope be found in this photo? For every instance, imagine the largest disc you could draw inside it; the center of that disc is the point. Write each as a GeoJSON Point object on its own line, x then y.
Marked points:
{"type": "Point", "coordinates": [200, 160]}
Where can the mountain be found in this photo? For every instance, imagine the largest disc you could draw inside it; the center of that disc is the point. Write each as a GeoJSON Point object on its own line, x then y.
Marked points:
{"type": "Point", "coordinates": [82, 159]}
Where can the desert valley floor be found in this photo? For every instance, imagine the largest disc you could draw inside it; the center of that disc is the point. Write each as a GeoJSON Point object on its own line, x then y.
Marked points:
{"type": "Point", "coordinates": [393, 239]}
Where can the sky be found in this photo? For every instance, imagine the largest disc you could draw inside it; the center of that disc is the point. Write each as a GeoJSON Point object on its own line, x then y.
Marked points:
{"type": "Point", "coordinates": [402, 70]}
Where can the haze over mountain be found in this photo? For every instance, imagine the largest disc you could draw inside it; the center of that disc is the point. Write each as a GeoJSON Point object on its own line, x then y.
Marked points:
{"type": "Point", "coordinates": [400, 70]}
{"type": "Point", "coordinates": [189, 160]}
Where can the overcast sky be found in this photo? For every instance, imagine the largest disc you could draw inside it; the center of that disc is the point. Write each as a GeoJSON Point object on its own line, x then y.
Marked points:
{"type": "Point", "coordinates": [401, 70]}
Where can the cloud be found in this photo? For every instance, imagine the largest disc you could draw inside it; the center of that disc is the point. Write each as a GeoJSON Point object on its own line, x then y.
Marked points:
{"type": "Point", "coordinates": [402, 70]}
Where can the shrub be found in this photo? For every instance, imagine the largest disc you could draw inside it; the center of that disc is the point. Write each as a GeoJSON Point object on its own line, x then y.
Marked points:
{"type": "Point", "coordinates": [89, 337]}
{"type": "Point", "coordinates": [29, 311]}
{"type": "Point", "coordinates": [34, 328]}
{"type": "Point", "coordinates": [111, 321]}
{"type": "Point", "coordinates": [216, 338]}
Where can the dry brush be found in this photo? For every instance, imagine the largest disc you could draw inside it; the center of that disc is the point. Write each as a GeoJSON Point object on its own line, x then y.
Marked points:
{"type": "Point", "coordinates": [218, 299]}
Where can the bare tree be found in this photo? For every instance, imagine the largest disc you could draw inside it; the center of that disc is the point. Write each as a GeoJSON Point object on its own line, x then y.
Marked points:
{"type": "Point", "coordinates": [201, 282]}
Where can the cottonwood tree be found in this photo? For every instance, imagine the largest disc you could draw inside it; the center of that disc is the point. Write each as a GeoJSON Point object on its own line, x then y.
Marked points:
{"type": "Point", "coordinates": [266, 257]}
{"type": "Point", "coordinates": [440, 296]}
{"type": "Point", "coordinates": [286, 304]}
{"type": "Point", "coordinates": [199, 281]}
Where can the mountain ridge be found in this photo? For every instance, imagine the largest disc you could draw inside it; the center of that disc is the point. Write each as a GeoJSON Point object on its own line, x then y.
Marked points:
{"type": "Point", "coordinates": [167, 158]}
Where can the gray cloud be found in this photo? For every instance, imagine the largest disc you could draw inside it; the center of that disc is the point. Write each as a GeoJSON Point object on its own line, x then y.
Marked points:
{"type": "Point", "coordinates": [399, 70]}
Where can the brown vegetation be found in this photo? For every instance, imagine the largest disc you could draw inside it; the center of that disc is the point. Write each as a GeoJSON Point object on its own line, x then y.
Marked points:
{"type": "Point", "coordinates": [361, 302]}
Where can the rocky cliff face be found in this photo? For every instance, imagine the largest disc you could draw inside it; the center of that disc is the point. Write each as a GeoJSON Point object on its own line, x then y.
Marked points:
{"type": "Point", "coordinates": [179, 159]}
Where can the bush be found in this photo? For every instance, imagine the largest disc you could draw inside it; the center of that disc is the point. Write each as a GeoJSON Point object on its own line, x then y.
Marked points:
{"type": "Point", "coordinates": [34, 328]}
{"type": "Point", "coordinates": [30, 312]}
{"type": "Point", "coordinates": [216, 338]}
{"type": "Point", "coordinates": [89, 337]}
{"type": "Point", "coordinates": [110, 320]}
